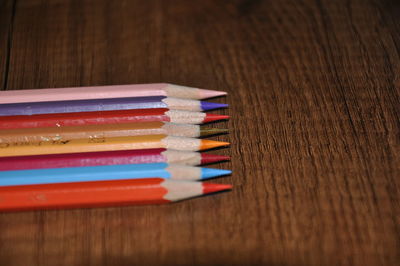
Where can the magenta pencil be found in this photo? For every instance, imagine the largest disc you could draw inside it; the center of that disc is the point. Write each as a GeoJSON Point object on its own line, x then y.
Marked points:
{"type": "Point", "coordinates": [108, 158]}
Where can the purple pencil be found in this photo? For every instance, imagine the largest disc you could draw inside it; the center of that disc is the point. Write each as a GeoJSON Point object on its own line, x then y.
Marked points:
{"type": "Point", "coordinates": [106, 105]}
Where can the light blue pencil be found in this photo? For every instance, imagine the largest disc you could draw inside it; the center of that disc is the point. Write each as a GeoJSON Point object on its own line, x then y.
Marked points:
{"type": "Point", "coordinates": [107, 172]}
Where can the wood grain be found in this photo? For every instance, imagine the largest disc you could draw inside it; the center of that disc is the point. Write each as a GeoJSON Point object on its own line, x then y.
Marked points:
{"type": "Point", "coordinates": [7, 10]}
{"type": "Point", "coordinates": [314, 94]}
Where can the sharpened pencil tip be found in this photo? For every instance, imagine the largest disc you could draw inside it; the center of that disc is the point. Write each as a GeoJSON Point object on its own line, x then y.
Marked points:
{"type": "Point", "coordinates": [213, 158]}
{"type": "Point", "coordinates": [212, 188]}
{"type": "Point", "coordinates": [207, 131]}
{"type": "Point", "coordinates": [205, 106]}
{"type": "Point", "coordinates": [204, 94]}
{"type": "Point", "coordinates": [215, 117]}
{"type": "Point", "coordinates": [207, 173]}
{"type": "Point", "coordinates": [211, 144]}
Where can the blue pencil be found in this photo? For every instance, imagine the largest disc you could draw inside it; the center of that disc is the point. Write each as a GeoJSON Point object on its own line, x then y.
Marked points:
{"type": "Point", "coordinates": [107, 172]}
{"type": "Point", "coordinates": [36, 108]}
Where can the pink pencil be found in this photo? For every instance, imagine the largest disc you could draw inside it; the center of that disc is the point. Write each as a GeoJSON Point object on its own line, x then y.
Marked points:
{"type": "Point", "coordinates": [105, 92]}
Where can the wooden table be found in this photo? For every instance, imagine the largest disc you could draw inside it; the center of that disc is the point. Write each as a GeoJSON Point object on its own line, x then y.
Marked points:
{"type": "Point", "coordinates": [314, 94]}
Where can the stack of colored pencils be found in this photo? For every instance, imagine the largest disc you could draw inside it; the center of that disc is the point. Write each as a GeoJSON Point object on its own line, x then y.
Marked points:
{"type": "Point", "coordinates": [106, 146]}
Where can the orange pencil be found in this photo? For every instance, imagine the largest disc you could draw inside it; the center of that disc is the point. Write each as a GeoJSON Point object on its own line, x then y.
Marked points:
{"type": "Point", "coordinates": [106, 131]}
{"type": "Point", "coordinates": [102, 194]}
{"type": "Point", "coordinates": [107, 144]}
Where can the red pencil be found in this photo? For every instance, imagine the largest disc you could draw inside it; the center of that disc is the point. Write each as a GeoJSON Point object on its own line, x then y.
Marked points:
{"type": "Point", "coordinates": [107, 117]}
{"type": "Point", "coordinates": [102, 194]}
{"type": "Point", "coordinates": [108, 158]}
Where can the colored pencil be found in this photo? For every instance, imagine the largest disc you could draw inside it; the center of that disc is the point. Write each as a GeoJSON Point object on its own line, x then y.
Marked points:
{"type": "Point", "coordinates": [107, 144]}
{"type": "Point", "coordinates": [103, 193]}
{"type": "Point", "coordinates": [107, 117]}
{"type": "Point", "coordinates": [99, 92]}
{"type": "Point", "coordinates": [106, 105]}
{"type": "Point", "coordinates": [108, 158]}
{"type": "Point", "coordinates": [108, 172]}
{"type": "Point", "coordinates": [107, 131]}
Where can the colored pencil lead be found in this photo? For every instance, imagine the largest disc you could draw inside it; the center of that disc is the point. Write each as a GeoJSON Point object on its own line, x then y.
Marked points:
{"type": "Point", "coordinates": [211, 93]}
{"type": "Point", "coordinates": [211, 144]}
{"type": "Point", "coordinates": [213, 188]}
{"type": "Point", "coordinates": [214, 117]}
{"type": "Point", "coordinates": [207, 173]}
{"type": "Point", "coordinates": [204, 131]}
{"type": "Point", "coordinates": [211, 106]}
{"type": "Point", "coordinates": [207, 158]}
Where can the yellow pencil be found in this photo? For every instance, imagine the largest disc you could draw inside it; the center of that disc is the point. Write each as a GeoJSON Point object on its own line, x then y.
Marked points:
{"type": "Point", "coordinates": [107, 144]}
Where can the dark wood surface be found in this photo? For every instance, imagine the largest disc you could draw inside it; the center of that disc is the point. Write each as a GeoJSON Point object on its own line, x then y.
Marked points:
{"type": "Point", "coordinates": [6, 16]}
{"type": "Point", "coordinates": [314, 94]}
